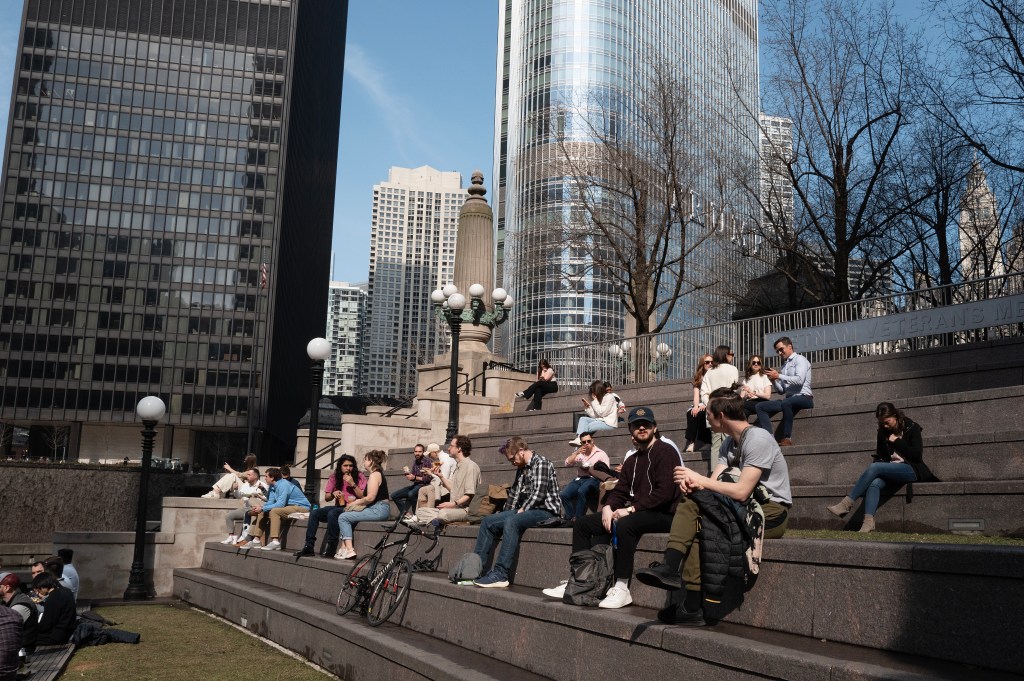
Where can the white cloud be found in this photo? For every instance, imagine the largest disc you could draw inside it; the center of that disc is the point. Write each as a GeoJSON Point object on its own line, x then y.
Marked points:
{"type": "Point", "coordinates": [397, 113]}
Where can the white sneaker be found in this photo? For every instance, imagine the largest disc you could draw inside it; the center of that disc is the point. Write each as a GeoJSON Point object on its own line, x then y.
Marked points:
{"type": "Point", "coordinates": [212, 494]}
{"type": "Point", "coordinates": [520, 394]}
{"type": "Point", "coordinates": [616, 598]}
{"type": "Point", "coordinates": [230, 540]}
{"type": "Point", "coordinates": [272, 546]}
{"type": "Point", "coordinates": [556, 591]}
{"type": "Point", "coordinates": [576, 442]}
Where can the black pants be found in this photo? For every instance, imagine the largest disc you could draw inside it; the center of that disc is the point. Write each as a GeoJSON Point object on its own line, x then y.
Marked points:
{"type": "Point", "coordinates": [588, 531]}
{"type": "Point", "coordinates": [697, 427]}
{"type": "Point", "coordinates": [315, 518]}
{"type": "Point", "coordinates": [538, 390]}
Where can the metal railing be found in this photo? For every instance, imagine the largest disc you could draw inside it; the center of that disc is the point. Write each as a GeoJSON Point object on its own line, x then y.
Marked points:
{"type": "Point", "coordinates": [673, 355]}
{"type": "Point", "coordinates": [332, 447]}
{"type": "Point", "coordinates": [471, 385]}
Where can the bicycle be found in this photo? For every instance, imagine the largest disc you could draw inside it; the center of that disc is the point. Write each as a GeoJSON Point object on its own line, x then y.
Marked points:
{"type": "Point", "coordinates": [380, 592]}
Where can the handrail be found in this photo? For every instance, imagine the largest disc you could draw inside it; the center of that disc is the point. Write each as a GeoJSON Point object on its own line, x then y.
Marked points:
{"type": "Point", "coordinates": [643, 359]}
{"type": "Point", "coordinates": [332, 446]}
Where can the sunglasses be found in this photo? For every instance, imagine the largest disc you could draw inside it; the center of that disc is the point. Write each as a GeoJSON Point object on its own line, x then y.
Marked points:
{"type": "Point", "coordinates": [708, 361]}
{"type": "Point", "coordinates": [585, 442]}
{"type": "Point", "coordinates": [755, 362]}
{"type": "Point", "coordinates": [641, 425]}
{"type": "Point", "coordinates": [779, 351]}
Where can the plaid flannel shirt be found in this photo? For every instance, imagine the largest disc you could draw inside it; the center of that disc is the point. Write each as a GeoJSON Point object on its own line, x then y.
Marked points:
{"type": "Point", "coordinates": [535, 487]}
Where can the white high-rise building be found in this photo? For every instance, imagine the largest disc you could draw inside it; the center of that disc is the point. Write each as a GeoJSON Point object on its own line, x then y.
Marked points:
{"type": "Point", "coordinates": [412, 252]}
{"type": "Point", "coordinates": [980, 234]}
{"type": "Point", "coordinates": [568, 67]}
{"type": "Point", "coordinates": [346, 319]}
{"type": "Point", "coordinates": [775, 184]}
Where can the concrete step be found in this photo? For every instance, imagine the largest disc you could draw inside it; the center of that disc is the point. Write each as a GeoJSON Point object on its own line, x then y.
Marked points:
{"type": "Point", "coordinates": [345, 646]}
{"type": "Point", "coordinates": [819, 610]}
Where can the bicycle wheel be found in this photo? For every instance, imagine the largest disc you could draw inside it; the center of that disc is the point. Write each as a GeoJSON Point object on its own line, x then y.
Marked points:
{"type": "Point", "coordinates": [353, 589]}
{"type": "Point", "coordinates": [390, 592]}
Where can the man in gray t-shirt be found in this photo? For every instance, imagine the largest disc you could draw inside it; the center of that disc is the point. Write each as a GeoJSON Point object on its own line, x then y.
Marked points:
{"type": "Point", "coordinates": [757, 455]}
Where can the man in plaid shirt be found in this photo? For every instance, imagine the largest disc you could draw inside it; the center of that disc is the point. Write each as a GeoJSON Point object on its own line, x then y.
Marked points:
{"type": "Point", "coordinates": [532, 499]}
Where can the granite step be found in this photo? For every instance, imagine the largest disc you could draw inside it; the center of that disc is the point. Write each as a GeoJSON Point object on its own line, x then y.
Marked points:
{"type": "Point", "coordinates": [797, 623]}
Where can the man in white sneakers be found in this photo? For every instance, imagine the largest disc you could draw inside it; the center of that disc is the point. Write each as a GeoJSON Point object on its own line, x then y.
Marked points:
{"type": "Point", "coordinates": [283, 498]}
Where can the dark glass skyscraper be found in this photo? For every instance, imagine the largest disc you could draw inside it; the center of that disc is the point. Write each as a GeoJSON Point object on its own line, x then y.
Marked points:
{"type": "Point", "coordinates": [167, 207]}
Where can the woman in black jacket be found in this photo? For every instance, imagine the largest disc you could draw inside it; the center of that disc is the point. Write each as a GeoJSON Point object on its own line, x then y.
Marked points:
{"type": "Point", "coordinates": [898, 461]}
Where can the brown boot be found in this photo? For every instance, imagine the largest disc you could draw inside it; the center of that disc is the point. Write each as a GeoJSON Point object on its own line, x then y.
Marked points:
{"type": "Point", "coordinates": [842, 508]}
{"type": "Point", "coordinates": [869, 524]}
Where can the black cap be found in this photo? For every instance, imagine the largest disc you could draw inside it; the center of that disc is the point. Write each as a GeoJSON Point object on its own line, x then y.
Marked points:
{"type": "Point", "coordinates": [640, 414]}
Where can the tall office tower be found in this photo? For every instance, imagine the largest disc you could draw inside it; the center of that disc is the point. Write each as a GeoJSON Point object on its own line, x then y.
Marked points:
{"type": "Point", "coordinates": [414, 226]}
{"type": "Point", "coordinates": [979, 230]}
{"type": "Point", "coordinates": [158, 154]}
{"type": "Point", "coordinates": [346, 319]}
{"type": "Point", "coordinates": [775, 184]}
{"type": "Point", "coordinates": [566, 68]}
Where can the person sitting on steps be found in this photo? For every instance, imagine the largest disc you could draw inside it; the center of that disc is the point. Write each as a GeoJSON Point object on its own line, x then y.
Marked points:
{"type": "Point", "coordinates": [374, 505]}
{"type": "Point", "coordinates": [544, 385]}
{"type": "Point", "coordinates": [346, 484]}
{"type": "Point", "coordinates": [757, 455]}
{"type": "Point", "coordinates": [898, 460]}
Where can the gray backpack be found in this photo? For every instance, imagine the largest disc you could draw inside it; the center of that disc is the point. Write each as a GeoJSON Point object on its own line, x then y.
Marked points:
{"type": "Point", "coordinates": [468, 568]}
{"type": "Point", "coordinates": [591, 574]}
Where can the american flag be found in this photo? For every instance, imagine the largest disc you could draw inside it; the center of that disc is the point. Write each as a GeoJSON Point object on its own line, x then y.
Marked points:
{"type": "Point", "coordinates": [263, 275]}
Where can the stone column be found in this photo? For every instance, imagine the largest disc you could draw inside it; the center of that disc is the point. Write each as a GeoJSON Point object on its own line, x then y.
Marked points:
{"type": "Point", "coordinates": [474, 258]}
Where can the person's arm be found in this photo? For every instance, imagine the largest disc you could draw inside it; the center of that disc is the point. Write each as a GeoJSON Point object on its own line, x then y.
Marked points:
{"type": "Point", "coordinates": [605, 407]}
{"type": "Point", "coordinates": [571, 459]}
{"type": "Point", "coordinates": [547, 375]}
{"type": "Point", "coordinates": [372, 486]}
{"type": "Point", "coordinates": [329, 489]}
{"type": "Point", "coordinates": [881, 446]}
{"type": "Point", "coordinates": [910, 446]}
{"type": "Point", "coordinates": [689, 480]}
{"type": "Point", "coordinates": [765, 392]}
{"type": "Point", "coordinates": [797, 375]}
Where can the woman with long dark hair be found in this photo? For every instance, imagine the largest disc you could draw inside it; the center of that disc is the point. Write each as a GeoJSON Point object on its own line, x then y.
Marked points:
{"type": "Point", "coordinates": [602, 412]}
{"type": "Point", "coordinates": [373, 505]}
{"type": "Point", "coordinates": [756, 387]}
{"type": "Point", "coordinates": [898, 461]}
{"type": "Point", "coordinates": [342, 486]}
{"type": "Point", "coordinates": [544, 385]}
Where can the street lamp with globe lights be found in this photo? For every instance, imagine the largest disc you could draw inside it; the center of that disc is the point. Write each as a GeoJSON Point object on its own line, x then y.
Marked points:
{"type": "Point", "coordinates": [150, 410]}
{"type": "Point", "coordinates": [450, 307]}
{"type": "Point", "coordinates": [318, 349]}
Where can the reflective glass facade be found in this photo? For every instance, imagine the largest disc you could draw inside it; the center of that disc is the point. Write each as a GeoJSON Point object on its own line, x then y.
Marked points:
{"type": "Point", "coordinates": [587, 61]}
{"type": "Point", "coordinates": [144, 186]}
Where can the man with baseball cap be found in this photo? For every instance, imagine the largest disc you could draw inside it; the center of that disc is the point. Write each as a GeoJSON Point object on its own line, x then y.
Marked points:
{"type": "Point", "coordinates": [643, 500]}
{"type": "Point", "coordinates": [19, 602]}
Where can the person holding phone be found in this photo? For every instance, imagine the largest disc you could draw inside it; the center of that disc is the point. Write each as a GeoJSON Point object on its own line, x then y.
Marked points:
{"type": "Point", "coordinates": [602, 412]}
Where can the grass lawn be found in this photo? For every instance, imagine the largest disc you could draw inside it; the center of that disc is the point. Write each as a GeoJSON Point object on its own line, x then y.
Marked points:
{"type": "Point", "coordinates": [182, 644]}
{"type": "Point", "coordinates": [905, 537]}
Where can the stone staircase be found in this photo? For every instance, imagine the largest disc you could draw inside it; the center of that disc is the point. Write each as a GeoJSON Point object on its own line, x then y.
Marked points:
{"type": "Point", "coordinates": [821, 609]}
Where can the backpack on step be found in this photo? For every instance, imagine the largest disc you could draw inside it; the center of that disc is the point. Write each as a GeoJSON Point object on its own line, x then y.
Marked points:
{"type": "Point", "coordinates": [591, 574]}
{"type": "Point", "coordinates": [468, 568]}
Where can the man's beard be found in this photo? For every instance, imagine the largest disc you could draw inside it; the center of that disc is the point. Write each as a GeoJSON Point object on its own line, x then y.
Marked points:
{"type": "Point", "coordinates": [644, 444]}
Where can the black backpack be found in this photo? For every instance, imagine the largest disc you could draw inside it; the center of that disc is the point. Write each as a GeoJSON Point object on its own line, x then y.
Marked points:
{"type": "Point", "coordinates": [467, 569]}
{"type": "Point", "coordinates": [591, 574]}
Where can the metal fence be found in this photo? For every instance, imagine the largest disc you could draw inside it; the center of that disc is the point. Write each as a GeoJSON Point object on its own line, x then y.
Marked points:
{"type": "Point", "coordinates": [674, 355]}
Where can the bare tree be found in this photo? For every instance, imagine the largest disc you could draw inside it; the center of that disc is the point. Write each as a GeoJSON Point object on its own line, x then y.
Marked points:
{"type": "Point", "coordinates": [842, 77]}
{"type": "Point", "coordinates": [634, 215]}
{"type": "Point", "coordinates": [984, 98]}
{"type": "Point", "coordinates": [56, 438]}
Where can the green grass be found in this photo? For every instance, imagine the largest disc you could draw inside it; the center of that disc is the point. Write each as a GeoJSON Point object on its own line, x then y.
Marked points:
{"type": "Point", "coordinates": [903, 537]}
{"type": "Point", "coordinates": [182, 644]}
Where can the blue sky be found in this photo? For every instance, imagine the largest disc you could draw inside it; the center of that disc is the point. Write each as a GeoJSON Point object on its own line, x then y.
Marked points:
{"type": "Point", "coordinates": [419, 90]}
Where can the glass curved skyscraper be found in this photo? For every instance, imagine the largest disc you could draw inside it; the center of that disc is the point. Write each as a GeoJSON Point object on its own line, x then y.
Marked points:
{"type": "Point", "coordinates": [568, 67]}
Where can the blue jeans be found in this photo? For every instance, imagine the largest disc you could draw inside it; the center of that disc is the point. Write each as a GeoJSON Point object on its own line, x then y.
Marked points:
{"type": "Point", "coordinates": [574, 496]}
{"type": "Point", "coordinates": [379, 511]}
{"type": "Point", "coordinates": [874, 479]}
{"type": "Point", "coordinates": [505, 527]}
{"type": "Point", "coordinates": [789, 407]}
{"type": "Point", "coordinates": [406, 496]}
{"type": "Point", "coordinates": [315, 518]}
{"type": "Point", "coordinates": [591, 425]}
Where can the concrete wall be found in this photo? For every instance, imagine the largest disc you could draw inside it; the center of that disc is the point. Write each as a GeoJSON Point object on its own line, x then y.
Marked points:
{"type": "Point", "coordinates": [38, 499]}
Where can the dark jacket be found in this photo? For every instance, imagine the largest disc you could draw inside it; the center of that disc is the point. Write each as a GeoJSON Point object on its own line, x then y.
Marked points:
{"type": "Point", "coordinates": [648, 474]}
{"type": "Point", "coordinates": [722, 545]}
{"type": "Point", "coordinates": [910, 447]}
{"type": "Point", "coordinates": [28, 639]}
{"type": "Point", "coordinates": [58, 620]}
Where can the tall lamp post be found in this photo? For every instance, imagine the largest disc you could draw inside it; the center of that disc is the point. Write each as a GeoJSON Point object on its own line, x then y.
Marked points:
{"type": "Point", "coordinates": [450, 307]}
{"type": "Point", "coordinates": [318, 349]}
{"type": "Point", "coordinates": [150, 410]}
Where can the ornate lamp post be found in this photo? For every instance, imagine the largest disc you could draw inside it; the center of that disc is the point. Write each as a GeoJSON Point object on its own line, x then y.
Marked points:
{"type": "Point", "coordinates": [450, 307]}
{"type": "Point", "coordinates": [150, 410]}
{"type": "Point", "coordinates": [318, 349]}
